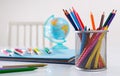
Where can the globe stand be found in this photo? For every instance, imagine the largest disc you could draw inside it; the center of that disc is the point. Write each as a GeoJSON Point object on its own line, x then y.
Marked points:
{"type": "Point", "coordinates": [59, 46]}
{"type": "Point", "coordinates": [56, 30]}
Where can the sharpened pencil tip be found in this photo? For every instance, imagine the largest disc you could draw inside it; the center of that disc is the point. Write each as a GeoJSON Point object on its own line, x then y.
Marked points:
{"type": "Point", "coordinates": [70, 10]}
{"type": "Point", "coordinates": [103, 13]}
{"type": "Point", "coordinates": [115, 11]}
{"type": "Point", "coordinates": [91, 13]}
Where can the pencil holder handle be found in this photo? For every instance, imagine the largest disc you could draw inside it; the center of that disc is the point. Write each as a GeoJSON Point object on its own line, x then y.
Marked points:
{"type": "Point", "coordinates": [91, 47]}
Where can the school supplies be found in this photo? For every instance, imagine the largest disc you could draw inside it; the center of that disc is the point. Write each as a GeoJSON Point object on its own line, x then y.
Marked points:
{"type": "Point", "coordinates": [17, 69]}
{"type": "Point", "coordinates": [101, 21]}
{"type": "Point", "coordinates": [78, 18]}
{"type": "Point", "coordinates": [25, 65]}
{"type": "Point", "coordinates": [84, 37]}
{"type": "Point", "coordinates": [47, 50]}
{"type": "Point", "coordinates": [19, 51]}
{"type": "Point", "coordinates": [59, 57]}
{"type": "Point", "coordinates": [91, 44]}
{"type": "Point", "coordinates": [70, 19]}
{"type": "Point", "coordinates": [30, 51]}
{"type": "Point", "coordinates": [37, 51]}
{"type": "Point", "coordinates": [72, 14]}
{"type": "Point", "coordinates": [7, 52]}
{"type": "Point", "coordinates": [92, 21]}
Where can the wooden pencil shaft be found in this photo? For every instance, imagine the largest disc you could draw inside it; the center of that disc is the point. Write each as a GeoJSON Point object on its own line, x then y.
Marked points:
{"type": "Point", "coordinates": [18, 69]}
{"type": "Point", "coordinates": [70, 19]}
{"type": "Point", "coordinates": [25, 65]}
{"type": "Point", "coordinates": [92, 21]}
{"type": "Point", "coordinates": [101, 21]}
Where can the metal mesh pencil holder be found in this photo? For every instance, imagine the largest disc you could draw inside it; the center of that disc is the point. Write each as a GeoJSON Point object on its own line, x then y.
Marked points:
{"type": "Point", "coordinates": [91, 48]}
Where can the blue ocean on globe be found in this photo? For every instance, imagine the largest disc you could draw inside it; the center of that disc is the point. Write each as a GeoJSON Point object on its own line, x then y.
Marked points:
{"type": "Point", "coordinates": [56, 30]}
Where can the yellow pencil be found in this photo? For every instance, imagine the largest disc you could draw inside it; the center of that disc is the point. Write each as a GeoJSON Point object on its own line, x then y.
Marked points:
{"type": "Point", "coordinates": [97, 57]}
{"type": "Point", "coordinates": [88, 64]}
{"type": "Point", "coordinates": [25, 65]}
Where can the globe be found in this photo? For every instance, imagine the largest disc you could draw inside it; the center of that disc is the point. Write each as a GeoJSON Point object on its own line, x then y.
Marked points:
{"type": "Point", "coordinates": [56, 30]}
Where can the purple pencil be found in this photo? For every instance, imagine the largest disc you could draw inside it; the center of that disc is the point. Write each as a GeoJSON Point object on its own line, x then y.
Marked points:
{"type": "Point", "coordinates": [113, 15]}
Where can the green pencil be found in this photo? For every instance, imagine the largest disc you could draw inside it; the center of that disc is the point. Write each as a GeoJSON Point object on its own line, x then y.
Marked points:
{"type": "Point", "coordinates": [17, 69]}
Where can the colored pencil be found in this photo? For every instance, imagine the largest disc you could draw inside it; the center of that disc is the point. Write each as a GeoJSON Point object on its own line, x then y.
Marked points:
{"type": "Point", "coordinates": [93, 53]}
{"type": "Point", "coordinates": [83, 41]}
{"type": "Point", "coordinates": [70, 19]}
{"type": "Point", "coordinates": [111, 18]}
{"type": "Point", "coordinates": [78, 18]}
{"type": "Point", "coordinates": [18, 69]}
{"type": "Point", "coordinates": [102, 19]}
{"type": "Point", "coordinates": [25, 65]}
{"type": "Point", "coordinates": [75, 19]}
{"type": "Point", "coordinates": [90, 50]}
{"type": "Point", "coordinates": [107, 20]}
{"type": "Point", "coordinates": [92, 21]}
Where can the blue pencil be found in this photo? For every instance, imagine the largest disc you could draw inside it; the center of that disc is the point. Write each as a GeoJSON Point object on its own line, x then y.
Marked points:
{"type": "Point", "coordinates": [70, 19]}
{"type": "Point", "coordinates": [75, 20]}
{"type": "Point", "coordinates": [84, 38]}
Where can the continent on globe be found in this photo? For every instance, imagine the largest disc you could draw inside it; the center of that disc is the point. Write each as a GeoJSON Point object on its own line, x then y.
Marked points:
{"type": "Point", "coordinates": [56, 30]}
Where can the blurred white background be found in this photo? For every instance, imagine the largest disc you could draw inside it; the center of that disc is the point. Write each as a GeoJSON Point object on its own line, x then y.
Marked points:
{"type": "Point", "coordinates": [40, 10]}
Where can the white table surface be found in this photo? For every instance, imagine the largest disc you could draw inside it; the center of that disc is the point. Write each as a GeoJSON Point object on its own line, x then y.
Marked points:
{"type": "Point", "coordinates": [61, 70]}
{"type": "Point", "coordinates": [113, 64]}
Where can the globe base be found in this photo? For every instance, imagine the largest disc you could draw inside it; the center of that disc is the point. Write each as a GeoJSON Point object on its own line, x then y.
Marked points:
{"type": "Point", "coordinates": [59, 46]}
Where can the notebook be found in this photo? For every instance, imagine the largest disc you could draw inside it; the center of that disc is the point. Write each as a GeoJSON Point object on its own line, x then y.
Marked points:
{"type": "Point", "coordinates": [59, 56]}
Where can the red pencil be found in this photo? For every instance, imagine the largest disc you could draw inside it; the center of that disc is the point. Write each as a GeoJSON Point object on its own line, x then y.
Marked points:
{"type": "Point", "coordinates": [78, 18]}
{"type": "Point", "coordinates": [87, 46]}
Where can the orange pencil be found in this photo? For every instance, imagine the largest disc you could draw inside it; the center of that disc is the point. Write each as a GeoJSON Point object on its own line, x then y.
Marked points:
{"type": "Point", "coordinates": [92, 21]}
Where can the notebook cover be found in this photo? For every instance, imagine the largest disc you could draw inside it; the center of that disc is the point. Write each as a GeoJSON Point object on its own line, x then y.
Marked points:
{"type": "Point", "coordinates": [59, 56]}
